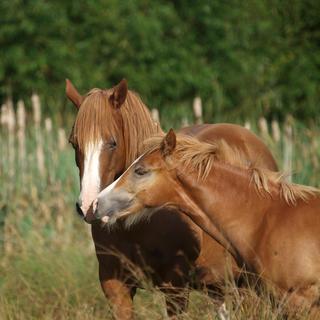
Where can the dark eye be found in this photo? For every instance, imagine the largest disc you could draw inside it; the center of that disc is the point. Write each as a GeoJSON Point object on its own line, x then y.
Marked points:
{"type": "Point", "coordinates": [140, 171]}
{"type": "Point", "coordinates": [111, 144]}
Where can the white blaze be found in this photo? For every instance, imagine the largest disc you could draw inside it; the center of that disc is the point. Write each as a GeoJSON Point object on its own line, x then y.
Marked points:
{"type": "Point", "coordinates": [110, 187]}
{"type": "Point", "coordinates": [90, 184]}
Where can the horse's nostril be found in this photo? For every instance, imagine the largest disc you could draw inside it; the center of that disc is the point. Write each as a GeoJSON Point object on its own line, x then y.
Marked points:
{"type": "Point", "coordinates": [79, 211]}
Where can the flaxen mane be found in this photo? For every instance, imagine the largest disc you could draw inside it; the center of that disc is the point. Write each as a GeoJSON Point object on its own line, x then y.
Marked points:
{"type": "Point", "coordinates": [199, 156]}
{"type": "Point", "coordinates": [96, 118]}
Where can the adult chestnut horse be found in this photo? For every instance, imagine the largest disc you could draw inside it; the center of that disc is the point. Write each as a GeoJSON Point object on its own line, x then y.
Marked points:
{"type": "Point", "coordinates": [271, 226]}
{"type": "Point", "coordinates": [107, 136]}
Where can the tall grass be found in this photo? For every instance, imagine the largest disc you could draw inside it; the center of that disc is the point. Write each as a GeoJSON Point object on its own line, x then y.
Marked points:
{"type": "Point", "coordinates": [48, 268]}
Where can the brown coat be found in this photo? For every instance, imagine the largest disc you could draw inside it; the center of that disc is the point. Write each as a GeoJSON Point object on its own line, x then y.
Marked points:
{"type": "Point", "coordinates": [170, 247]}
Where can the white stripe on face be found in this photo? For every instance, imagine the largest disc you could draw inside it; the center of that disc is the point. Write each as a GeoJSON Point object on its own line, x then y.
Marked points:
{"type": "Point", "coordinates": [110, 187]}
{"type": "Point", "coordinates": [90, 184]}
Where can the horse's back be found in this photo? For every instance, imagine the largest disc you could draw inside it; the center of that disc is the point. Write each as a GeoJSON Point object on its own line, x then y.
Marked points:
{"type": "Point", "coordinates": [238, 137]}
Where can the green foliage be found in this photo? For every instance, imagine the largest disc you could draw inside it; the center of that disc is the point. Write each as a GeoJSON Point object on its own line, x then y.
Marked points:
{"type": "Point", "coordinates": [242, 58]}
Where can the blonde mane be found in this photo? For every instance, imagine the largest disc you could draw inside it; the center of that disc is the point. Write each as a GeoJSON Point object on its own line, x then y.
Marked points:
{"type": "Point", "coordinates": [198, 156]}
{"type": "Point", "coordinates": [96, 117]}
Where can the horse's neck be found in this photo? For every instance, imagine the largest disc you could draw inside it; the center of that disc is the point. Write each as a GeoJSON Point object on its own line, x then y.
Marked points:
{"type": "Point", "coordinates": [189, 207]}
{"type": "Point", "coordinates": [154, 129]}
{"type": "Point", "coordinates": [232, 204]}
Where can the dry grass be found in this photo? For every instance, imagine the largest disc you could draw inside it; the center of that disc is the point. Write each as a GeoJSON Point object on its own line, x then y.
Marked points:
{"type": "Point", "coordinates": [48, 268]}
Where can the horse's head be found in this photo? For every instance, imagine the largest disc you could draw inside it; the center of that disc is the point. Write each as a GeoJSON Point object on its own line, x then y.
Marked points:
{"type": "Point", "coordinates": [148, 184]}
{"type": "Point", "coordinates": [98, 140]}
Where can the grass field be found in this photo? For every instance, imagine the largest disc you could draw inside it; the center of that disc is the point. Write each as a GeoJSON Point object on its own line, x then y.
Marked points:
{"type": "Point", "coordinates": [48, 268]}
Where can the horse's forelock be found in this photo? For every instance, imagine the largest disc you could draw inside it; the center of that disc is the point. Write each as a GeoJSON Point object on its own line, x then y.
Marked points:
{"type": "Point", "coordinates": [96, 118]}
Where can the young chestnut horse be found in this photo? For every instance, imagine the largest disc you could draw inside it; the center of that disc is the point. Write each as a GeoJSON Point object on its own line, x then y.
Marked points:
{"type": "Point", "coordinates": [107, 136]}
{"type": "Point", "coordinates": [267, 224]}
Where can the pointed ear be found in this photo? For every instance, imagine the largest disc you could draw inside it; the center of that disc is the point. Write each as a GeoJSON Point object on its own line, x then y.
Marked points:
{"type": "Point", "coordinates": [119, 94]}
{"type": "Point", "coordinates": [168, 143]}
{"type": "Point", "coordinates": [73, 95]}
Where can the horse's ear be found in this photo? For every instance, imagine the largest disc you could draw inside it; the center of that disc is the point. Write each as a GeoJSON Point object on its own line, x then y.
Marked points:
{"type": "Point", "coordinates": [119, 94]}
{"type": "Point", "coordinates": [73, 95]}
{"type": "Point", "coordinates": [168, 143]}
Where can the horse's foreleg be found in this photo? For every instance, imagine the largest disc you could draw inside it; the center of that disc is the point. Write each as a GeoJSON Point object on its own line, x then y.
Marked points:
{"type": "Point", "coordinates": [120, 296]}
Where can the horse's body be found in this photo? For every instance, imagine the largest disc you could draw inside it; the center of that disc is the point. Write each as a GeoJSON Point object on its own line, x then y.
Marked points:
{"type": "Point", "coordinates": [270, 226]}
{"type": "Point", "coordinates": [112, 124]}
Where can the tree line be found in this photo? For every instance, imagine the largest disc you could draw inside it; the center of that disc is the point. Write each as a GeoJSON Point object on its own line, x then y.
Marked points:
{"type": "Point", "coordinates": [244, 58]}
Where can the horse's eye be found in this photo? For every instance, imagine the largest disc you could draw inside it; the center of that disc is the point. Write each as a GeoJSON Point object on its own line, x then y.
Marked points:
{"type": "Point", "coordinates": [112, 144]}
{"type": "Point", "coordinates": [140, 171]}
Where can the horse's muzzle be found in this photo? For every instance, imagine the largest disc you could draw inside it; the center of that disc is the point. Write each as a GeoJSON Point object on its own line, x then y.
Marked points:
{"type": "Point", "coordinates": [89, 216]}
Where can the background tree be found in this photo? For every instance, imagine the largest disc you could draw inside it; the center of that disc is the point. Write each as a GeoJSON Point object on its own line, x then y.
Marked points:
{"type": "Point", "coordinates": [242, 58]}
